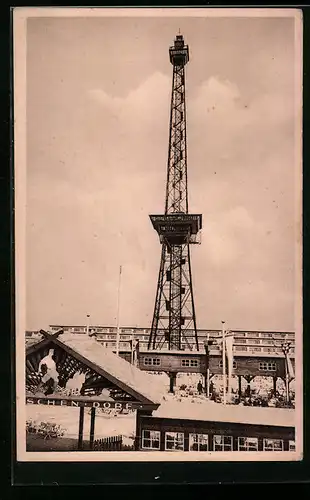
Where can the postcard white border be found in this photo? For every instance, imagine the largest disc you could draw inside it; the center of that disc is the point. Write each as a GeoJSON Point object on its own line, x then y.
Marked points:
{"type": "Point", "coordinates": [20, 16]}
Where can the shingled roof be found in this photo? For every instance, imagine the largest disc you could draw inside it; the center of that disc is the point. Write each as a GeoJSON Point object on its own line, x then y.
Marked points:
{"type": "Point", "coordinates": [141, 385]}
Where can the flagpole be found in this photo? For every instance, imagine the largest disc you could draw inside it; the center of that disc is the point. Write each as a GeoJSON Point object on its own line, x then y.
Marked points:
{"type": "Point", "coordinates": [208, 367]}
{"type": "Point", "coordinates": [287, 390]}
{"type": "Point", "coordinates": [118, 309]}
{"type": "Point", "coordinates": [224, 363]}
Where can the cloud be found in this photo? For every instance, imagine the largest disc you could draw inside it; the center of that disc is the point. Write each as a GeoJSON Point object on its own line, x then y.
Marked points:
{"type": "Point", "coordinates": [97, 204]}
{"type": "Point", "coordinates": [224, 235]}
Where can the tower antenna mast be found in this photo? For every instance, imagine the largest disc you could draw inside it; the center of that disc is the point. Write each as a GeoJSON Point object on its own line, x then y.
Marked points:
{"type": "Point", "coordinates": [174, 319]}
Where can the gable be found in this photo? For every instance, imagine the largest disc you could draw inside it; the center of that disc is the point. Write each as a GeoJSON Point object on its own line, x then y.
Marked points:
{"type": "Point", "coordinates": [98, 381]}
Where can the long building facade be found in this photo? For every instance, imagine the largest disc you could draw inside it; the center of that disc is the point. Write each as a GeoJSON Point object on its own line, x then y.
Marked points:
{"type": "Point", "coordinates": [245, 341]}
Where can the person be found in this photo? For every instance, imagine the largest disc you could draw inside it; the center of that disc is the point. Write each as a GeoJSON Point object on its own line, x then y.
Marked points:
{"type": "Point", "coordinates": [48, 379]}
{"type": "Point", "coordinates": [199, 387]}
{"type": "Point", "coordinates": [211, 388]}
{"type": "Point", "coordinates": [48, 373]}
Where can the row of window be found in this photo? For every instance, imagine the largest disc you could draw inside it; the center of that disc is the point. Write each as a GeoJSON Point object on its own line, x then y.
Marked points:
{"type": "Point", "coordinates": [157, 362]}
{"type": "Point", "coordinates": [201, 333]}
{"type": "Point", "coordinates": [239, 348]}
{"type": "Point", "coordinates": [263, 365]}
{"type": "Point", "coordinates": [174, 441]}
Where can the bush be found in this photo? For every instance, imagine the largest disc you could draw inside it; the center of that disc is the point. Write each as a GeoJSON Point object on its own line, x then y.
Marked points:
{"type": "Point", "coordinates": [46, 430]}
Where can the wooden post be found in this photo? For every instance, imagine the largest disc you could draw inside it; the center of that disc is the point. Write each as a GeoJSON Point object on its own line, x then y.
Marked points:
{"type": "Point", "coordinates": [274, 386]}
{"type": "Point", "coordinates": [81, 428]}
{"type": "Point", "coordinates": [92, 428]}
{"type": "Point", "coordinates": [172, 377]}
{"type": "Point", "coordinates": [239, 388]}
{"type": "Point", "coordinates": [138, 430]}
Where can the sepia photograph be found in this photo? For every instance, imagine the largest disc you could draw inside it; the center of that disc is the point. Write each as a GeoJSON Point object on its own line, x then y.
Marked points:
{"type": "Point", "coordinates": [158, 234]}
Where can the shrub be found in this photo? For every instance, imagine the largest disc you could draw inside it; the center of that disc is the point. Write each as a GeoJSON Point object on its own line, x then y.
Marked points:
{"type": "Point", "coordinates": [46, 430]}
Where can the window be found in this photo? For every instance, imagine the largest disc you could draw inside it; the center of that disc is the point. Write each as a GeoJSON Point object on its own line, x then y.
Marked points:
{"type": "Point", "coordinates": [222, 443]}
{"type": "Point", "coordinates": [151, 440]}
{"type": "Point", "coordinates": [240, 348]}
{"type": "Point", "coordinates": [268, 366]}
{"type": "Point", "coordinates": [254, 341]}
{"type": "Point", "coordinates": [269, 349]}
{"type": "Point", "coordinates": [174, 441]}
{"type": "Point", "coordinates": [221, 364]}
{"type": "Point", "coordinates": [273, 445]}
{"type": "Point", "coordinates": [291, 446]}
{"type": "Point", "coordinates": [198, 442]}
{"type": "Point", "coordinates": [267, 335]}
{"type": "Point", "coordinates": [253, 334]}
{"type": "Point", "coordinates": [240, 341]}
{"type": "Point", "coordinates": [151, 361]}
{"type": "Point", "coordinates": [247, 444]}
{"type": "Point", "coordinates": [189, 362]}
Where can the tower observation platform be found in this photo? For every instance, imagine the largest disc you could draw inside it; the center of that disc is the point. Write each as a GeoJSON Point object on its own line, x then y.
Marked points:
{"type": "Point", "coordinates": [177, 228]}
{"type": "Point", "coordinates": [174, 318]}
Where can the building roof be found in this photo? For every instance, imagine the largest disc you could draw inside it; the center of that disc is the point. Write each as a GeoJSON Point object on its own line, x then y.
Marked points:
{"type": "Point", "coordinates": [215, 412]}
{"type": "Point", "coordinates": [143, 383]}
{"type": "Point", "coordinates": [143, 386]}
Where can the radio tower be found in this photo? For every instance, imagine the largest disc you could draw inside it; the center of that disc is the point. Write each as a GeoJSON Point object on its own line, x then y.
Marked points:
{"type": "Point", "coordinates": [174, 320]}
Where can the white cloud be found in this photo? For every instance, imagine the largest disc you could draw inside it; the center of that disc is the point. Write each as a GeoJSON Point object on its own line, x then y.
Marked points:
{"type": "Point", "coordinates": [117, 177]}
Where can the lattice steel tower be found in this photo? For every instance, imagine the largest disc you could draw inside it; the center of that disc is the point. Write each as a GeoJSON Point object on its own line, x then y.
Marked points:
{"type": "Point", "coordinates": [174, 320]}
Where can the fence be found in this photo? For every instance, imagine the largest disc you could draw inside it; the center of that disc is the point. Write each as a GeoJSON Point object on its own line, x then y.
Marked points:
{"type": "Point", "coordinates": [112, 443]}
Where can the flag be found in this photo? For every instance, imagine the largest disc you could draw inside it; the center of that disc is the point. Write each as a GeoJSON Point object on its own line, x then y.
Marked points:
{"type": "Point", "coordinates": [289, 366]}
{"type": "Point", "coordinates": [134, 351]}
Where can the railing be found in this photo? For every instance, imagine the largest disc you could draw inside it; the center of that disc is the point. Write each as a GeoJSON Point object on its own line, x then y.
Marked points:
{"type": "Point", "coordinates": [113, 443]}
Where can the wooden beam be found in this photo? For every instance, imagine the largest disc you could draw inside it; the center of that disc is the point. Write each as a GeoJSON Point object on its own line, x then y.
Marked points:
{"type": "Point", "coordinates": [45, 341]}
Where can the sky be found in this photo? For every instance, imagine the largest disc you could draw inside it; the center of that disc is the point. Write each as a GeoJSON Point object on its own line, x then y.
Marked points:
{"type": "Point", "coordinates": [98, 97]}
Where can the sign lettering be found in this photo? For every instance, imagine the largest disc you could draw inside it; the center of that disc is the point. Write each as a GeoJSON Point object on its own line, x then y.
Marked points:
{"type": "Point", "coordinates": [85, 403]}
